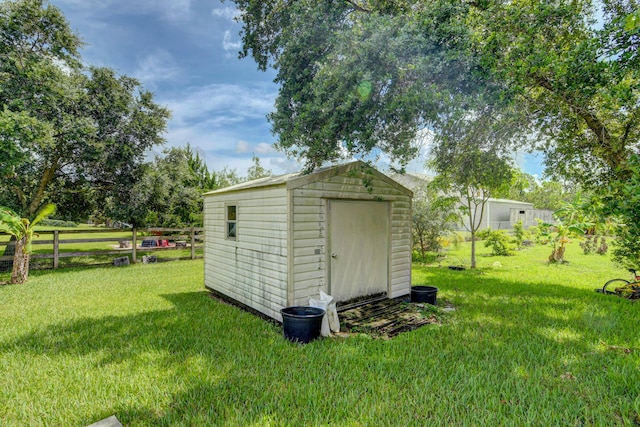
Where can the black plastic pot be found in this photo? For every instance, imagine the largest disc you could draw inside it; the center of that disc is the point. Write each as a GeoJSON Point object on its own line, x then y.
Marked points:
{"type": "Point", "coordinates": [301, 324]}
{"type": "Point", "coordinates": [424, 294]}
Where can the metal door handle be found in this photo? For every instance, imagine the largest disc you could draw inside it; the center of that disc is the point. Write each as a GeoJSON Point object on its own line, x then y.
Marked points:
{"type": "Point", "coordinates": [334, 255]}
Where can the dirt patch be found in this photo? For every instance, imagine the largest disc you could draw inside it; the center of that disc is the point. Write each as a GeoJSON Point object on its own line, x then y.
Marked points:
{"type": "Point", "coordinates": [388, 318]}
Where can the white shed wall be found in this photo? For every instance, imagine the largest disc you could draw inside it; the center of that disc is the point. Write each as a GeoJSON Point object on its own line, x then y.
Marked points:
{"type": "Point", "coordinates": [499, 215]}
{"type": "Point", "coordinates": [280, 256]}
{"type": "Point", "coordinates": [253, 268]}
{"type": "Point", "coordinates": [310, 272]}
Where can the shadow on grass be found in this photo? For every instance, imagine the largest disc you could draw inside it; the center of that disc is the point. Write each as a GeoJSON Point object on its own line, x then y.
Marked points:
{"type": "Point", "coordinates": [218, 364]}
{"type": "Point", "coordinates": [509, 352]}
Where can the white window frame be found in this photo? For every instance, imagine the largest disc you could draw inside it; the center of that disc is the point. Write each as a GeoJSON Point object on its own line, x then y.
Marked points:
{"type": "Point", "coordinates": [228, 222]}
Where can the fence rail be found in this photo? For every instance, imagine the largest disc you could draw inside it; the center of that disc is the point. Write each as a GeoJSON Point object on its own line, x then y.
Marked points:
{"type": "Point", "coordinates": [182, 243]}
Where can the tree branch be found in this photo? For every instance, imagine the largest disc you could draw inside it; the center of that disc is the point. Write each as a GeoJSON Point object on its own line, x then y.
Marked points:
{"type": "Point", "coordinates": [600, 131]}
{"type": "Point", "coordinates": [358, 7]}
{"type": "Point", "coordinates": [46, 179]}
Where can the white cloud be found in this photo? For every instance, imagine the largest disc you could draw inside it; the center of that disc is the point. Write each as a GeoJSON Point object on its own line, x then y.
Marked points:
{"type": "Point", "coordinates": [282, 165]}
{"type": "Point", "coordinates": [174, 11]}
{"type": "Point", "coordinates": [229, 13]}
{"type": "Point", "coordinates": [222, 104]}
{"type": "Point", "coordinates": [264, 148]}
{"type": "Point", "coordinates": [226, 121]}
{"type": "Point", "coordinates": [228, 44]}
{"type": "Point", "coordinates": [243, 147]}
{"type": "Point", "coordinates": [157, 66]}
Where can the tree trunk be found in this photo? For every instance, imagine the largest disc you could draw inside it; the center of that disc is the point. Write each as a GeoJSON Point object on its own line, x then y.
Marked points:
{"type": "Point", "coordinates": [557, 255]}
{"type": "Point", "coordinates": [473, 249]}
{"type": "Point", "coordinates": [20, 271]}
{"type": "Point", "coordinates": [9, 250]}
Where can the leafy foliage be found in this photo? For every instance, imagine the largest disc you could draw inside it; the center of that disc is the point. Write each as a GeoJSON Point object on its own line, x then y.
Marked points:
{"type": "Point", "coordinates": [578, 80]}
{"type": "Point", "coordinates": [547, 194]}
{"type": "Point", "coordinates": [256, 170]}
{"type": "Point", "coordinates": [557, 236]}
{"type": "Point", "coordinates": [499, 243]}
{"type": "Point", "coordinates": [365, 78]}
{"type": "Point", "coordinates": [71, 134]}
{"type": "Point", "coordinates": [596, 244]}
{"type": "Point", "coordinates": [169, 192]}
{"type": "Point", "coordinates": [519, 234]}
{"type": "Point", "coordinates": [22, 230]}
{"type": "Point", "coordinates": [356, 79]}
{"type": "Point", "coordinates": [433, 216]}
{"type": "Point", "coordinates": [622, 198]}
{"type": "Point", "coordinates": [471, 174]}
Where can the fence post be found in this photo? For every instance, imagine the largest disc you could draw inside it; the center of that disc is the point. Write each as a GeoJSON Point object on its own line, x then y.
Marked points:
{"type": "Point", "coordinates": [134, 244]}
{"type": "Point", "coordinates": [193, 243]}
{"type": "Point", "coordinates": [56, 248]}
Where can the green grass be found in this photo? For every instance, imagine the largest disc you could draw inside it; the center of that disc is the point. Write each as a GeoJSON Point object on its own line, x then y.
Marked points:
{"type": "Point", "coordinates": [528, 344]}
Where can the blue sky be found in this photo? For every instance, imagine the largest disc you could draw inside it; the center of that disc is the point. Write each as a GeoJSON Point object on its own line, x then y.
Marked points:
{"type": "Point", "coordinates": [186, 52]}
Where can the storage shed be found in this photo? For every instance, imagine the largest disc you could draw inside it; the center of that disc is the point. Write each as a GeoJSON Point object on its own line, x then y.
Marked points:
{"type": "Point", "coordinates": [274, 242]}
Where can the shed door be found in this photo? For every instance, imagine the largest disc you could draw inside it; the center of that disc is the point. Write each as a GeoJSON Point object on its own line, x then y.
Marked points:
{"type": "Point", "coordinates": [359, 248]}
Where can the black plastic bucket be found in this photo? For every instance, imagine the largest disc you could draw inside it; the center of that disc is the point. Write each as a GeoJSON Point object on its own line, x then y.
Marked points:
{"type": "Point", "coordinates": [424, 294]}
{"type": "Point", "coordinates": [301, 324]}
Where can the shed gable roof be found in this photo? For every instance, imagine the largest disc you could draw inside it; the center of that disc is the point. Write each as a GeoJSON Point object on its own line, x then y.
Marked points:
{"type": "Point", "coordinates": [296, 180]}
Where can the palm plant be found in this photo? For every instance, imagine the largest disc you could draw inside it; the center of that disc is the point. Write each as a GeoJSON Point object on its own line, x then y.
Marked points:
{"type": "Point", "coordinates": [22, 230]}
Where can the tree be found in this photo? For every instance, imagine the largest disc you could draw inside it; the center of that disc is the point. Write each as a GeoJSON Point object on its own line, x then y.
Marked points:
{"type": "Point", "coordinates": [256, 170]}
{"type": "Point", "coordinates": [464, 156]}
{"type": "Point", "coordinates": [22, 230]}
{"type": "Point", "coordinates": [577, 79]}
{"type": "Point", "coordinates": [227, 177]}
{"type": "Point", "coordinates": [432, 217]}
{"type": "Point", "coordinates": [520, 186]}
{"type": "Point", "coordinates": [169, 192]}
{"type": "Point", "coordinates": [472, 175]}
{"type": "Point", "coordinates": [202, 178]}
{"type": "Point", "coordinates": [471, 158]}
{"type": "Point", "coordinates": [364, 77]}
{"type": "Point", "coordinates": [550, 194]}
{"type": "Point", "coordinates": [360, 78]}
{"type": "Point", "coordinates": [71, 134]}
{"type": "Point", "coordinates": [622, 200]}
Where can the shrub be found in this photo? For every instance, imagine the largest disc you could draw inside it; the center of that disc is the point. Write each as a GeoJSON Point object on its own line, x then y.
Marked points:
{"type": "Point", "coordinates": [603, 248]}
{"type": "Point", "coordinates": [593, 244]}
{"type": "Point", "coordinates": [483, 234]}
{"type": "Point", "coordinates": [58, 223]}
{"type": "Point", "coordinates": [499, 243]}
{"type": "Point", "coordinates": [519, 234]}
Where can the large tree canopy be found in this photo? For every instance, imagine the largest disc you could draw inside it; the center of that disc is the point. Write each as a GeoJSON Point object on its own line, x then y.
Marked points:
{"type": "Point", "coordinates": [366, 76]}
{"type": "Point", "coordinates": [575, 68]}
{"type": "Point", "coordinates": [357, 78]}
{"type": "Point", "coordinates": [69, 134]}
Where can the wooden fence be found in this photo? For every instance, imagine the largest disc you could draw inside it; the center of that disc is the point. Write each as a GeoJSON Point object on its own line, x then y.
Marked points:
{"type": "Point", "coordinates": [52, 248]}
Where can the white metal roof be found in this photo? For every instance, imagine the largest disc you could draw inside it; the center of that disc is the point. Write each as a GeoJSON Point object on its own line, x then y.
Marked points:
{"type": "Point", "coordinates": [294, 180]}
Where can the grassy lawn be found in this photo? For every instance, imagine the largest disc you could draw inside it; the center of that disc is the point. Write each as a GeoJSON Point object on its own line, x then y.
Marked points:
{"type": "Point", "coordinates": [528, 344]}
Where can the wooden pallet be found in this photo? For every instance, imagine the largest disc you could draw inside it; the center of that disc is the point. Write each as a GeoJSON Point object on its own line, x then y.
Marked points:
{"type": "Point", "coordinates": [384, 318]}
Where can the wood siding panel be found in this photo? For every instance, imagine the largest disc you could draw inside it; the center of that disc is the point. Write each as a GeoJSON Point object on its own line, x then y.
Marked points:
{"type": "Point", "coordinates": [351, 195]}
{"type": "Point", "coordinates": [253, 268]}
{"type": "Point", "coordinates": [309, 232]}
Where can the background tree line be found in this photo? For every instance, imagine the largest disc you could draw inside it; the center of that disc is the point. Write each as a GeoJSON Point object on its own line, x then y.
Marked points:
{"type": "Point", "coordinates": [358, 77]}
{"type": "Point", "coordinates": [170, 190]}
{"type": "Point", "coordinates": [78, 136]}
{"type": "Point", "coordinates": [486, 77]}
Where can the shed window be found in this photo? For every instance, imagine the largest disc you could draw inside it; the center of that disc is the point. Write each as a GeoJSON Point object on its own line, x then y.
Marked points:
{"type": "Point", "coordinates": [232, 221]}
